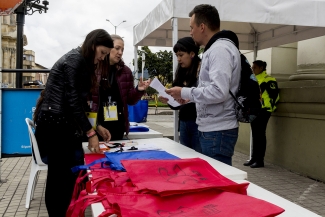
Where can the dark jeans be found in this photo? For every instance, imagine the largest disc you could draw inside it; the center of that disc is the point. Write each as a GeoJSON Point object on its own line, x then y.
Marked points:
{"type": "Point", "coordinates": [219, 145]}
{"type": "Point", "coordinates": [258, 127]}
{"type": "Point", "coordinates": [64, 151]}
{"type": "Point", "coordinates": [189, 135]}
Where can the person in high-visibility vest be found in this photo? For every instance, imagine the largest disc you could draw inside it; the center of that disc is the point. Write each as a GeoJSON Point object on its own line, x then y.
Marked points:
{"type": "Point", "coordinates": [270, 96]}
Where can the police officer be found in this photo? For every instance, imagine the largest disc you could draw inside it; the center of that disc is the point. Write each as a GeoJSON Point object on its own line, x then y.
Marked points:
{"type": "Point", "coordinates": [270, 96]}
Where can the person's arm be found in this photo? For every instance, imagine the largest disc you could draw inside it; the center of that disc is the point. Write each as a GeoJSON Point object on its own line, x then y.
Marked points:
{"type": "Point", "coordinates": [75, 102]}
{"type": "Point", "coordinates": [133, 94]}
{"type": "Point", "coordinates": [215, 80]}
{"type": "Point", "coordinates": [73, 95]}
{"type": "Point", "coordinates": [165, 101]}
{"type": "Point", "coordinates": [272, 89]}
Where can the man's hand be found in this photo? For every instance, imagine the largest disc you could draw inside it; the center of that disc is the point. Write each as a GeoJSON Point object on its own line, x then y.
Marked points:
{"type": "Point", "coordinates": [163, 99]}
{"type": "Point", "coordinates": [175, 92]}
{"type": "Point", "coordinates": [104, 133]}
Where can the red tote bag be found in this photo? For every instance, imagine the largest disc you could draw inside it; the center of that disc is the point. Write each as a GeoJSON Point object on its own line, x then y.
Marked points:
{"type": "Point", "coordinates": [210, 203]}
{"type": "Point", "coordinates": [168, 177]}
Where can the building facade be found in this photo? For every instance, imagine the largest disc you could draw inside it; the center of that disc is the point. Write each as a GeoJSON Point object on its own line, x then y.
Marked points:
{"type": "Point", "coordinates": [8, 49]}
{"type": "Point", "coordinates": [295, 132]}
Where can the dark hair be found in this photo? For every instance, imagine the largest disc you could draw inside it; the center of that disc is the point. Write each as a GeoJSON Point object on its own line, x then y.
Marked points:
{"type": "Point", "coordinates": [189, 75]}
{"type": "Point", "coordinates": [186, 44]}
{"type": "Point", "coordinates": [206, 14]}
{"type": "Point", "coordinates": [97, 37]}
{"type": "Point", "coordinates": [260, 63]}
{"type": "Point", "coordinates": [38, 105]}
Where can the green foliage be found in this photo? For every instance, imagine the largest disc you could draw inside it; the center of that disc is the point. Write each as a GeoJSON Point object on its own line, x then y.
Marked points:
{"type": "Point", "coordinates": [158, 64]}
{"type": "Point", "coordinates": [152, 103]}
{"type": "Point", "coordinates": [201, 50]}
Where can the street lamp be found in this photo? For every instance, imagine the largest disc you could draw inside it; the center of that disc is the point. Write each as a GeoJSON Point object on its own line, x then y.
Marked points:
{"type": "Point", "coordinates": [117, 25]}
{"type": "Point", "coordinates": [28, 7]}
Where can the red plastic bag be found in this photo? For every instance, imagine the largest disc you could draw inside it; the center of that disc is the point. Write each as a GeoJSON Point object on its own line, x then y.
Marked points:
{"type": "Point", "coordinates": [168, 177]}
{"type": "Point", "coordinates": [201, 204]}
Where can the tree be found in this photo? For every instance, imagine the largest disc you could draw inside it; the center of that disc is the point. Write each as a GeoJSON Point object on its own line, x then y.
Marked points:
{"type": "Point", "coordinates": [158, 64]}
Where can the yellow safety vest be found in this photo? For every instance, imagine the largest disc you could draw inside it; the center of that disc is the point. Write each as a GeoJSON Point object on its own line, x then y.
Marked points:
{"type": "Point", "coordinates": [269, 90]}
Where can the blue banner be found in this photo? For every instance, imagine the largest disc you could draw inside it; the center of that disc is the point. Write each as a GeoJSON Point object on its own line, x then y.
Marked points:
{"type": "Point", "coordinates": [17, 104]}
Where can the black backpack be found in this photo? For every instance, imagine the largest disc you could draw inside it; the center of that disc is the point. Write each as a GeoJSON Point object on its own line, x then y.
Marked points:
{"type": "Point", "coordinates": [248, 99]}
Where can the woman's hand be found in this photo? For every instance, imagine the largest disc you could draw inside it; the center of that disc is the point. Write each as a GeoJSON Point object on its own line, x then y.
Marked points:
{"type": "Point", "coordinates": [143, 85]}
{"type": "Point", "coordinates": [104, 133]}
{"type": "Point", "coordinates": [93, 145]}
{"type": "Point", "coordinates": [162, 99]}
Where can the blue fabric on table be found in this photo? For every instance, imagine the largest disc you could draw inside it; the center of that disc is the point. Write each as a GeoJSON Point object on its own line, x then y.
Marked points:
{"type": "Point", "coordinates": [139, 129]}
{"type": "Point", "coordinates": [113, 159]}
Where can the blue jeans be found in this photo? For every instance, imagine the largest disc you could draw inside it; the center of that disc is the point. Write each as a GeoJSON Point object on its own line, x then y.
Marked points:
{"type": "Point", "coordinates": [189, 135]}
{"type": "Point", "coordinates": [219, 145]}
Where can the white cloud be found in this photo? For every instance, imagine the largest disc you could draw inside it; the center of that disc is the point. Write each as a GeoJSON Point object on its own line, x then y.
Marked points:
{"type": "Point", "coordinates": [67, 22]}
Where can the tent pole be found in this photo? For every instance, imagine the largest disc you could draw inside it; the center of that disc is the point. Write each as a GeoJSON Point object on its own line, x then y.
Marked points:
{"type": "Point", "coordinates": [135, 70]}
{"type": "Point", "coordinates": [1, 181]}
{"type": "Point", "coordinates": [251, 135]}
{"type": "Point", "coordinates": [175, 38]}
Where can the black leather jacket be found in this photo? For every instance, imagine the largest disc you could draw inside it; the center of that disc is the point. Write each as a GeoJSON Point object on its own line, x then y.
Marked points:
{"type": "Point", "coordinates": [67, 88]}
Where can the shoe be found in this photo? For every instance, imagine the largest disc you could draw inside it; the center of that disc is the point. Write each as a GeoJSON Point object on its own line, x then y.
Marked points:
{"type": "Point", "coordinates": [248, 163]}
{"type": "Point", "coordinates": [257, 165]}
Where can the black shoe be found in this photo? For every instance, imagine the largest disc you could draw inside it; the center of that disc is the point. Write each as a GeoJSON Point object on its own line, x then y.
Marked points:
{"type": "Point", "coordinates": [248, 163]}
{"type": "Point", "coordinates": [257, 165]}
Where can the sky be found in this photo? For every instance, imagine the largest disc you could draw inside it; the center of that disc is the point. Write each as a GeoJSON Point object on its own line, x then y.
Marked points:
{"type": "Point", "coordinates": [67, 22]}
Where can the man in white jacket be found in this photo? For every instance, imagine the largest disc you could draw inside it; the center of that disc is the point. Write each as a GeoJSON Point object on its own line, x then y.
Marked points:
{"type": "Point", "coordinates": [219, 73]}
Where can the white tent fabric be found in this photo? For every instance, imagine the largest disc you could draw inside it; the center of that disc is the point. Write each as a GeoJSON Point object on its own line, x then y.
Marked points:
{"type": "Point", "coordinates": [261, 23]}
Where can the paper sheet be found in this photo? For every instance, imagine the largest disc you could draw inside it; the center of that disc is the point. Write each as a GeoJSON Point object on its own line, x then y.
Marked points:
{"type": "Point", "coordinates": [155, 84]}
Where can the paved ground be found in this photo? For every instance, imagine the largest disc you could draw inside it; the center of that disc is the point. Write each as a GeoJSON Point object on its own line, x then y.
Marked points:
{"type": "Point", "coordinates": [301, 190]}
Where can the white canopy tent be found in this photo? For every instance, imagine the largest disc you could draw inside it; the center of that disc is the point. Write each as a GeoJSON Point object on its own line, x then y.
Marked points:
{"type": "Point", "coordinates": [259, 24]}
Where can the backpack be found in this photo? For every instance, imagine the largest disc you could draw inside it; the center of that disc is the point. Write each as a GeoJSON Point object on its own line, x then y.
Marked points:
{"type": "Point", "coordinates": [248, 99]}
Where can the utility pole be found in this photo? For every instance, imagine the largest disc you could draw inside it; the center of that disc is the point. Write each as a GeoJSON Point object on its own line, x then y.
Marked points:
{"type": "Point", "coordinates": [28, 7]}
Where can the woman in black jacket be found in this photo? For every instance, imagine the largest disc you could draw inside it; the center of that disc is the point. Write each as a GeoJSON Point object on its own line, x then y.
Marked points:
{"type": "Point", "coordinates": [186, 76]}
{"type": "Point", "coordinates": [61, 119]}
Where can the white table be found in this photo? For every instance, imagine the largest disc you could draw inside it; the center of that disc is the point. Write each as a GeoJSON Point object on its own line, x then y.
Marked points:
{"type": "Point", "coordinates": [144, 135]}
{"type": "Point", "coordinates": [291, 209]}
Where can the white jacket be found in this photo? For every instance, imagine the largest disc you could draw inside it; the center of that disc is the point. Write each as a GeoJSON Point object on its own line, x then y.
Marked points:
{"type": "Point", "coordinates": [219, 73]}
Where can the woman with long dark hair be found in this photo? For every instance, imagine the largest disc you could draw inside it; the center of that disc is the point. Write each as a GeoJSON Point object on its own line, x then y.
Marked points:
{"type": "Point", "coordinates": [61, 118]}
{"type": "Point", "coordinates": [186, 76]}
